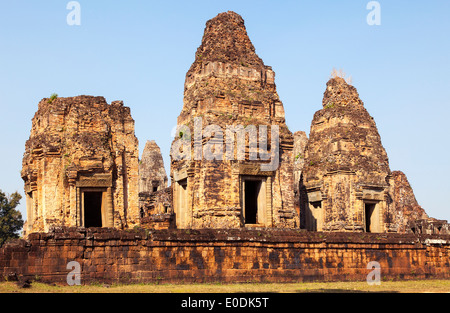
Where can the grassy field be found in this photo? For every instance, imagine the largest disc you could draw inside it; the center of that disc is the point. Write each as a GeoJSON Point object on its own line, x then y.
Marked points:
{"type": "Point", "coordinates": [419, 286]}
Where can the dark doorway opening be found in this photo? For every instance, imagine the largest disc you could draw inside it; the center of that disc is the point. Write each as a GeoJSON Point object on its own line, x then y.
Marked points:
{"type": "Point", "coordinates": [183, 184]}
{"type": "Point", "coordinates": [93, 209]}
{"type": "Point", "coordinates": [252, 189]}
{"type": "Point", "coordinates": [155, 185]}
{"type": "Point", "coordinates": [369, 209]}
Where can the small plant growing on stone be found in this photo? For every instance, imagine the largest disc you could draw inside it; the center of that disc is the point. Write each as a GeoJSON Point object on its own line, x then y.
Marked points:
{"type": "Point", "coordinates": [299, 156]}
{"type": "Point", "coordinates": [340, 73]}
{"type": "Point", "coordinates": [52, 97]}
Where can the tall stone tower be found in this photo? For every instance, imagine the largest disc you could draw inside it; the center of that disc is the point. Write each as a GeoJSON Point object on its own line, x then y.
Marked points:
{"type": "Point", "coordinates": [152, 174]}
{"type": "Point", "coordinates": [80, 165]}
{"type": "Point", "coordinates": [346, 180]}
{"type": "Point", "coordinates": [231, 160]}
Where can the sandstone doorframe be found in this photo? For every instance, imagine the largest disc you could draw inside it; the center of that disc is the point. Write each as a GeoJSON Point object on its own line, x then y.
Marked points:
{"type": "Point", "coordinates": [87, 208]}
{"type": "Point", "coordinates": [181, 192]}
{"type": "Point", "coordinates": [315, 214]}
{"type": "Point", "coordinates": [97, 183]}
{"type": "Point", "coordinates": [260, 195]}
{"type": "Point", "coordinates": [372, 216]}
{"type": "Point", "coordinates": [30, 205]}
{"type": "Point", "coordinates": [372, 206]}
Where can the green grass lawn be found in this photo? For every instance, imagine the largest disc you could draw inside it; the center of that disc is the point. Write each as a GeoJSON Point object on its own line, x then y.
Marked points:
{"type": "Point", "coordinates": [417, 286]}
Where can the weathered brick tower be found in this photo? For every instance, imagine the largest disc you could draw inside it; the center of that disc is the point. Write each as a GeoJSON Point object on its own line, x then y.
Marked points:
{"type": "Point", "coordinates": [347, 183]}
{"type": "Point", "coordinates": [231, 165]}
{"type": "Point", "coordinates": [80, 165]}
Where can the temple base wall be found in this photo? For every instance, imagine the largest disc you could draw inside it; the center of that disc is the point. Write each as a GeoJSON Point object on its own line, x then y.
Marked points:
{"type": "Point", "coordinates": [228, 256]}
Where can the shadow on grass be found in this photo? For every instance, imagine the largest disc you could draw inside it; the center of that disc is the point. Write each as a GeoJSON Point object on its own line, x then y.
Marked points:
{"type": "Point", "coordinates": [326, 290]}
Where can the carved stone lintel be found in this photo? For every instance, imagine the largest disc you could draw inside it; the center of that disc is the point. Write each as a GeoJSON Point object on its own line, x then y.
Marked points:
{"type": "Point", "coordinates": [97, 180]}
{"type": "Point", "coordinates": [253, 169]}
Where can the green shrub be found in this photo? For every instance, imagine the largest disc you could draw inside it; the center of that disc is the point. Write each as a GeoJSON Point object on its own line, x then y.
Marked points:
{"type": "Point", "coordinates": [52, 97]}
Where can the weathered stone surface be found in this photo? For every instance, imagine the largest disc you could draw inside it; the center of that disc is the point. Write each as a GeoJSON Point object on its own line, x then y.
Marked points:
{"type": "Point", "coordinates": [231, 255]}
{"type": "Point", "coordinates": [428, 226]}
{"type": "Point", "coordinates": [234, 162]}
{"type": "Point", "coordinates": [152, 174]}
{"type": "Point", "coordinates": [228, 86]}
{"type": "Point", "coordinates": [346, 177]}
{"type": "Point", "coordinates": [409, 216]}
{"type": "Point", "coordinates": [81, 148]}
{"type": "Point", "coordinates": [407, 208]}
{"type": "Point", "coordinates": [344, 137]}
{"type": "Point", "coordinates": [156, 209]}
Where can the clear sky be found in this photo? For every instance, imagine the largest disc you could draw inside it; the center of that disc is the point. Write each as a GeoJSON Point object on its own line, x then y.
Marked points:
{"type": "Point", "coordinates": [140, 51]}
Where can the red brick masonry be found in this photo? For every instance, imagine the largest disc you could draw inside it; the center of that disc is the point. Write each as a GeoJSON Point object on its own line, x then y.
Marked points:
{"type": "Point", "coordinates": [177, 256]}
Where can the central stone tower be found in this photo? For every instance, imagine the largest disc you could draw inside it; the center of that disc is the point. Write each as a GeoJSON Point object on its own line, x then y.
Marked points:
{"type": "Point", "coordinates": [231, 159]}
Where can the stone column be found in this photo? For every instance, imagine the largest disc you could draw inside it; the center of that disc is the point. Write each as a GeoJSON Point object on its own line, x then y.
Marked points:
{"type": "Point", "coordinates": [73, 205]}
{"type": "Point", "coordinates": [79, 207]}
{"type": "Point", "coordinates": [109, 208]}
{"type": "Point", "coordinates": [269, 212]}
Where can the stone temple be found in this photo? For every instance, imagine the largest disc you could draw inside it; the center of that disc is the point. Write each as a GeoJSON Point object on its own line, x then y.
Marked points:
{"type": "Point", "coordinates": [226, 168]}
{"type": "Point", "coordinates": [234, 162]}
{"type": "Point", "coordinates": [248, 200]}
{"type": "Point", "coordinates": [152, 174]}
{"type": "Point", "coordinates": [346, 176]}
{"type": "Point", "coordinates": [346, 183]}
{"type": "Point", "coordinates": [80, 165]}
{"type": "Point", "coordinates": [155, 197]}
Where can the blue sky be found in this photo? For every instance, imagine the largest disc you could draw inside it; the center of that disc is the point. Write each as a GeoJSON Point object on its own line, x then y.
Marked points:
{"type": "Point", "coordinates": [140, 51]}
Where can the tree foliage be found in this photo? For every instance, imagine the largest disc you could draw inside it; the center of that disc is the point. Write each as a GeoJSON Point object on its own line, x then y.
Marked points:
{"type": "Point", "coordinates": [11, 221]}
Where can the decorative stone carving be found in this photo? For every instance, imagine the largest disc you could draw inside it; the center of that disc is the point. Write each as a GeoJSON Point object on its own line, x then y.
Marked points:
{"type": "Point", "coordinates": [80, 165]}
{"type": "Point", "coordinates": [228, 89]}
{"type": "Point", "coordinates": [346, 174]}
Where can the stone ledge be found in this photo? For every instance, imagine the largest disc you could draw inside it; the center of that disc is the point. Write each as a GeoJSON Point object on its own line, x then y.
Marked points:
{"type": "Point", "coordinates": [262, 235]}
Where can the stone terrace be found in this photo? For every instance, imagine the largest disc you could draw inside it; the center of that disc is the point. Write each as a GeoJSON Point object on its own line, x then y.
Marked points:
{"type": "Point", "coordinates": [259, 255]}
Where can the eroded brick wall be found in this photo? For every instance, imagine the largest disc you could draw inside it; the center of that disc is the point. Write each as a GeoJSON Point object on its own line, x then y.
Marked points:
{"type": "Point", "coordinates": [177, 256]}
